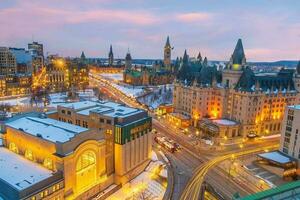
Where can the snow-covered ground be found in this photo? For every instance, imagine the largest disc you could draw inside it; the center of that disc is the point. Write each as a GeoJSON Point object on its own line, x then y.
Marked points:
{"type": "Point", "coordinates": [132, 91]}
{"type": "Point", "coordinates": [55, 99]}
{"type": "Point", "coordinates": [115, 77]}
{"type": "Point", "coordinates": [161, 95]}
{"type": "Point", "coordinates": [144, 186]}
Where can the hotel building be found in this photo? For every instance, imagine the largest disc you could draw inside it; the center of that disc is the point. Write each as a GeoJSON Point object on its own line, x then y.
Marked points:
{"type": "Point", "coordinates": [74, 152]}
{"type": "Point", "coordinates": [255, 101]}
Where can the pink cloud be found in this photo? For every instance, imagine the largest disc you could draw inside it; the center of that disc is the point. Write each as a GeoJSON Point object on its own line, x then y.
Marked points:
{"type": "Point", "coordinates": [193, 17]}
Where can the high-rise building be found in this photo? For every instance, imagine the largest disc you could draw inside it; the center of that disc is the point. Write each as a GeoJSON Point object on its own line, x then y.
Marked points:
{"type": "Point", "coordinates": [110, 56]}
{"type": "Point", "coordinates": [15, 71]}
{"type": "Point", "coordinates": [24, 60]}
{"type": "Point", "coordinates": [37, 51]}
{"type": "Point", "coordinates": [8, 62]}
{"type": "Point", "coordinates": [290, 132]}
{"type": "Point", "coordinates": [256, 101]}
{"type": "Point", "coordinates": [37, 48]}
{"type": "Point", "coordinates": [167, 54]}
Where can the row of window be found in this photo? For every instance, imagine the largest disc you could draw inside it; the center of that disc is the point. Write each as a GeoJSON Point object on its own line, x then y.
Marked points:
{"type": "Point", "coordinates": [47, 162]}
{"type": "Point", "coordinates": [46, 192]}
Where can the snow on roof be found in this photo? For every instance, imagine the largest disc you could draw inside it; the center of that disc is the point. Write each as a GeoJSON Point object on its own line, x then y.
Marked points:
{"type": "Point", "coordinates": [107, 108]}
{"type": "Point", "coordinates": [80, 105]}
{"type": "Point", "coordinates": [276, 156]}
{"type": "Point", "coordinates": [225, 122]}
{"type": "Point", "coordinates": [20, 172]}
{"type": "Point", "coordinates": [297, 107]}
{"type": "Point", "coordinates": [46, 128]}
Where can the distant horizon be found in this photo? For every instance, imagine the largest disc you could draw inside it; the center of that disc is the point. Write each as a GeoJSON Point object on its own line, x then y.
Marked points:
{"type": "Point", "coordinates": [270, 30]}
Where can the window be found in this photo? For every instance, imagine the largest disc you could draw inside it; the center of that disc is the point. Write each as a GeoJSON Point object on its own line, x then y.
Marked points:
{"type": "Point", "coordinates": [87, 159]}
{"type": "Point", "coordinates": [63, 111]}
{"type": "Point", "coordinates": [108, 121]}
{"type": "Point", "coordinates": [29, 154]}
{"type": "Point", "coordinates": [13, 147]}
{"type": "Point", "coordinates": [69, 112]}
{"type": "Point", "coordinates": [48, 163]}
{"type": "Point", "coordinates": [101, 120]}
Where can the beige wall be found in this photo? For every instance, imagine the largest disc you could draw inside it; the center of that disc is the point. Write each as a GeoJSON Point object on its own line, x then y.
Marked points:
{"type": "Point", "coordinates": [256, 111]}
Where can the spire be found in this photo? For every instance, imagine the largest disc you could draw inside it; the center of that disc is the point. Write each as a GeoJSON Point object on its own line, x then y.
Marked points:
{"type": "Point", "coordinates": [205, 61]}
{"type": "Point", "coordinates": [168, 42]}
{"type": "Point", "coordinates": [110, 50]}
{"type": "Point", "coordinates": [185, 57]}
{"type": "Point", "coordinates": [199, 57]}
{"type": "Point", "coordinates": [128, 56]}
{"type": "Point", "coordinates": [298, 67]}
{"type": "Point", "coordinates": [110, 56]}
{"type": "Point", "coordinates": [82, 55]}
{"type": "Point", "coordinates": [238, 56]}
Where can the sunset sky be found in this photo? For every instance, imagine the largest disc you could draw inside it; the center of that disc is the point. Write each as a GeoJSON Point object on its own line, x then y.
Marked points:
{"type": "Point", "coordinates": [270, 29]}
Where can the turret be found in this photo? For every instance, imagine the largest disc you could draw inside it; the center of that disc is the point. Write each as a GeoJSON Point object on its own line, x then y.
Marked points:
{"type": "Point", "coordinates": [238, 58]}
{"type": "Point", "coordinates": [82, 57]}
{"type": "Point", "coordinates": [199, 57]}
{"type": "Point", "coordinates": [234, 69]}
{"type": "Point", "coordinates": [205, 63]}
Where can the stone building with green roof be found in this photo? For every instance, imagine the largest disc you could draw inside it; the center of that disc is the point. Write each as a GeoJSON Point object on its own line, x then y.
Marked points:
{"type": "Point", "coordinates": [161, 73]}
{"type": "Point", "coordinates": [255, 100]}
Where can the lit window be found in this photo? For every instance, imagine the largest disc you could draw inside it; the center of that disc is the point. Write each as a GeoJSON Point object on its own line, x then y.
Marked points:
{"type": "Point", "coordinates": [29, 154]}
{"type": "Point", "coordinates": [13, 147]}
{"type": "Point", "coordinates": [48, 163]}
{"type": "Point", "coordinates": [87, 159]}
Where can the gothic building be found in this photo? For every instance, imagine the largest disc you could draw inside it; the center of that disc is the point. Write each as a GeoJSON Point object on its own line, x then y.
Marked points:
{"type": "Point", "coordinates": [255, 101]}
{"type": "Point", "coordinates": [162, 72]}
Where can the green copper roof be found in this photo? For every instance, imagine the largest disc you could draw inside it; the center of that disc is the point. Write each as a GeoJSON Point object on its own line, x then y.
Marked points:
{"type": "Point", "coordinates": [274, 191]}
{"type": "Point", "coordinates": [238, 54]}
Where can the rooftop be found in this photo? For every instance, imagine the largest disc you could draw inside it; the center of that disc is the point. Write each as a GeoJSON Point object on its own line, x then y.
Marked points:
{"type": "Point", "coordinates": [224, 122]}
{"type": "Point", "coordinates": [46, 128]}
{"type": "Point", "coordinates": [268, 194]}
{"type": "Point", "coordinates": [20, 172]}
{"type": "Point", "coordinates": [277, 157]}
{"type": "Point", "coordinates": [106, 108]}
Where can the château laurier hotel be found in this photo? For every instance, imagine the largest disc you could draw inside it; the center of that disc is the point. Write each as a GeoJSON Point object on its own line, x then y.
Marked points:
{"type": "Point", "coordinates": [218, 99]}
{"type": "Point", "coordinates": [74, 152]}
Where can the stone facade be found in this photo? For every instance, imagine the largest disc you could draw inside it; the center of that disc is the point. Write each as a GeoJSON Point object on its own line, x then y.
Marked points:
{"type": "Point", "coordinates": [256, 100]}
{"type": "Point", "coordinates": [160, 73]}
{"type": "Point", "coordinates": [81, 149]}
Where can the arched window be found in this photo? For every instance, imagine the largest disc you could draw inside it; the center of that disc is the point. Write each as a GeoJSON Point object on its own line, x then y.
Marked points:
{"type": "Point", "coordinates": [48, 163]}
{"type": "Point", "coordinates": [87, 159]}
{"type": "Point", "coordinates": [29, 154]}
{"type": "Point", "coordinates": [13, 147]}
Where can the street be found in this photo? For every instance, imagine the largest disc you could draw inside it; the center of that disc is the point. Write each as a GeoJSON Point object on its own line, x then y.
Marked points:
{"type": "Point", "coordinates": [195, 164]}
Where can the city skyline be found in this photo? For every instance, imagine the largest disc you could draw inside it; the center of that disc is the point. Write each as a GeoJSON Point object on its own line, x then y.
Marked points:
{"type": "Point", "coordinates": [270, 30]}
